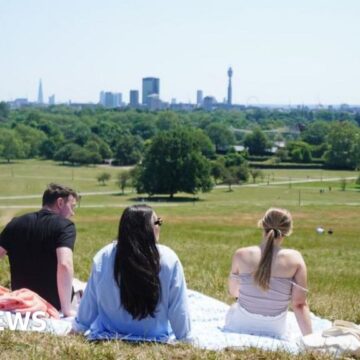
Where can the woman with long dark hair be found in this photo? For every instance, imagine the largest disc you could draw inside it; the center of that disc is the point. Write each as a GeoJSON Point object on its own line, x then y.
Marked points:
{"type": "Point", "coordinates": [265, 279]}
{"type": "Point", "coordinates": [137, 289]}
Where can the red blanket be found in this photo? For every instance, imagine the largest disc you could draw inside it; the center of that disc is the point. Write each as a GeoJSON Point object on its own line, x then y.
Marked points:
{"type": "Point", "coordinates": [25, 300]}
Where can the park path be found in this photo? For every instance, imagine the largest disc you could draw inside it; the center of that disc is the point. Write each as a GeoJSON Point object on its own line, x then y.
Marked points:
{"type": "Point", "coordinates": [264, 184]}
{"type": "Point", "coordinates": [290, 181]}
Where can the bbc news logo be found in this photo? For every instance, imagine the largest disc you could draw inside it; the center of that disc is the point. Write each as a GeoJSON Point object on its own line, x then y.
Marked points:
{"type": "Point", "coordinates": [27, 321]}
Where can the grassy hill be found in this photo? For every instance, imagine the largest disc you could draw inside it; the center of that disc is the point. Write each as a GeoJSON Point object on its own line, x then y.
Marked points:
{"type": "Point", "coordinates": [204, 233]}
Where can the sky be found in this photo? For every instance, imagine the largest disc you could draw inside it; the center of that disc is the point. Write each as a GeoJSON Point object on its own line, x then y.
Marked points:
{"type": "Point", "coordinates": [281, 51]}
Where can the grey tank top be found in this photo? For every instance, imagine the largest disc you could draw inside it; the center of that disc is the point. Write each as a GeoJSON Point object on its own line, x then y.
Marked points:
{"type": "Point", "coordinates": [268, 303]}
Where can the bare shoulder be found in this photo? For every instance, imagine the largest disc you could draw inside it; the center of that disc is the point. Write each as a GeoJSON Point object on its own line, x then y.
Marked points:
{"type": "Point", "coordinates": [245, 252]}
{"type": "Point", "coordinates": [291, 255]}
{"type": "Point", "coordinates": [247, 258]}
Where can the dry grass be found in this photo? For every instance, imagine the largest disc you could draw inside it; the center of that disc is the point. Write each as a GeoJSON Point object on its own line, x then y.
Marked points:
{"type": "Point", "coordinates": [204, 234]}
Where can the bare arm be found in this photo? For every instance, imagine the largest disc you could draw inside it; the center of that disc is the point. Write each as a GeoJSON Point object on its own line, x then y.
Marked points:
{"type": "Point", "coordinates": [65, 274]}
{"type": "Point", "coordinates": [3, 252]}
{"type": "Point", "coordinates": [299, 303]}
{"type": "Point", "coordinates": [234, 284]}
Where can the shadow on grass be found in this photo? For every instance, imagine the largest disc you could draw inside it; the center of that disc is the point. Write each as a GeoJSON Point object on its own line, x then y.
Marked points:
{"type": "Point", "coordinates": [76, 165]}
{"type": "Point", "coordinates": [167, 199]}
{"type": "Point", "coordinates": [12, 162]}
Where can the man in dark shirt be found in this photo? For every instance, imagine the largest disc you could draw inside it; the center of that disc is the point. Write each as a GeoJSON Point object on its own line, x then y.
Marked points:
{"type": "Point", "coordinates": [40, 248]}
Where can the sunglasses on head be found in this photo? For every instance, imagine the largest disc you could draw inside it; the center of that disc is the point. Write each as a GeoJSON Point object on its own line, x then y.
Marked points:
{"type": "Point", "coordinates": [159, 221]}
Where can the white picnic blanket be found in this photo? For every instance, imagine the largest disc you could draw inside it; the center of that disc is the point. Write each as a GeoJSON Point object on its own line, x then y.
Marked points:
{"type": "Point", "coordinates": [208, 315]}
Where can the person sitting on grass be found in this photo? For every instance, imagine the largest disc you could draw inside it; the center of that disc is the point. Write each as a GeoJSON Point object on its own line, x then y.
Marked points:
{"type": "Point", "coordinates": [137, 289]}
{"type": "Point", "coordinates": [265, 278]}
{"type": "Point", "coordinates": [40, 248]}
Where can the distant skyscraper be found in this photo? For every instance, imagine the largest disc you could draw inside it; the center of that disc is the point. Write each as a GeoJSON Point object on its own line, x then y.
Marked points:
{"type": "Point", "coordinates": [40, 99]}
{"type": "Point", "coordinates": [117, 99]}
{"type": "Point", "coordinates": [229, 97]}
{"type": "Point", "coordinates": [134, 98]}
{"type": "Point", "coordinates": [108, 99]}
{"type": "Point", "coordinates": [102, 98]}
{"type": "Point", "coordinates": [52, 100]}
{"type": "Point", "coordinates": [150, 86]}
{"type": "Point", "coordinates": [199, 97]}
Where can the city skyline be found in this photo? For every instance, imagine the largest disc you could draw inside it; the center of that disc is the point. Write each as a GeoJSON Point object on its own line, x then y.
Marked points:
{"type": "Point", "coordinates": [281, 53]}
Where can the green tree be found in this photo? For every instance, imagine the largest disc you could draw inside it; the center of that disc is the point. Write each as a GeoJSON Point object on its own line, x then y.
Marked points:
{"type": "Point", "coordinates": [65, 151]}
{"type": "Point", "coordinates": [299, 151]}
{"type": "Point", "coordinates": [255, 173]}
{"type": "Point", "coordinates": [221, 136]}
{"type": "Point", "coordinates": [204, 143]}
{"type": "Point", "coordinates": [217, 170]}
{"type": "Point", "coordinates": [257, 142]}
{"type": "Point", "coordinates": [315, 133]}
{"type": "Point", "coordinates": [344, 143]}
{"type": "Point", "coordinates": [10, 145]}
{"type": "Point", "coordinates": [174, 163]}
{"type": "Point", "coordinates": [4, 110]}
{"type": "Point", "coordinates": [123, 180]}
{"type": "Point", "coordinates": [235, 175]}
{"type": "Point", "coordinates": [229, 177]}
{"type": "Point", "coordinates": [234, 159]}
{"type": "Point", "coordinates": [103, 178]}
{"type": "Point", "coordinates": [83, 156]}
{"type": "Point", "coordinates": [31, 139]}
{"type": "Point", "coordinates": [129, 150]}
{"type": "Point", "coordinates": [47, 149]}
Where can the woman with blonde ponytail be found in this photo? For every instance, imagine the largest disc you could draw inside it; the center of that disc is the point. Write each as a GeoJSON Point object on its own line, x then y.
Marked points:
{"type": "Point", "coordinates": [265, 279]}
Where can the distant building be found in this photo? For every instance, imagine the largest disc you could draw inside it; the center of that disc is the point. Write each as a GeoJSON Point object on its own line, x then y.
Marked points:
{"type": "Point", "coordinates": [182, 107]}
{"type": "Point", "coordinates": [154, 102]}
{"type": "Point", "coordinates": [229, 97]}
{"type": "Point", "coordinates": [40, 99]}
{"type": "Point", "coordinates": [209, 103]}
{"type": "Point", "coordinates": [52, 99]}
{"type": "Point", "coordinates": [117, 100]}
{"type": "Point", "coordinates": [108, 99]}
{"type": "Point", "coordinates": [199, 98]}
{"type": "Point", "coordinates": [150, 86]}
{"type": "Point", "coordinates": [19, 103]}
{"type": "Point", "coordinates": [102, 98]}
{"type": "Point", "coordinates": [111, 100]}
{"type": "Point", "coordinates": [134, 98]}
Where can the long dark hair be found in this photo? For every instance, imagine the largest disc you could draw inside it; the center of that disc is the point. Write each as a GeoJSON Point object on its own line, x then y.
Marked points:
{"type": "Point", "coordinates": [276, 223]}
{"type": "Point", "coordinates": [137, 262]}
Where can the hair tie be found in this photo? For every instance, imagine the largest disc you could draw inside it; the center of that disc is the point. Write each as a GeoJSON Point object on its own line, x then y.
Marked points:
{"type": "Point", "coordinates": [277, 232]}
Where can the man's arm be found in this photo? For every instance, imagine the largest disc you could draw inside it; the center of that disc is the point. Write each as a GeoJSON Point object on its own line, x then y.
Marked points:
{"type": "Point", "coordinates": [64, 275]}
{"type": "Point", "coordinates": [3, 252]}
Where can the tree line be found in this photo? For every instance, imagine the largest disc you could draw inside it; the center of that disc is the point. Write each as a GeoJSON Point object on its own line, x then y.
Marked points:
{"type": "Point", "coordinates": [166, 144]}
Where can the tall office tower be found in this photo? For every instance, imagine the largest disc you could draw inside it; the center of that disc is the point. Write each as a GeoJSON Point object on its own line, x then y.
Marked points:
{"type": "Point", "coordinates": [40, 98]}
{"type": "Point", "coordinates": [150, 86]}
{"type": "Point", "coordinates": [102, 98]}
{"type": "Point", "coordinates": [229, 97]}
{"type": "Point", "coordinates": [117, 99]}
{"type": "Point", "coordinates": [108, 99]}
{"type": "Point", "coordinates": [134, 98]}
{"type": "Point", "coordinates": [52, 99]}
{"type": "Point", "coordinates": [199, 98]}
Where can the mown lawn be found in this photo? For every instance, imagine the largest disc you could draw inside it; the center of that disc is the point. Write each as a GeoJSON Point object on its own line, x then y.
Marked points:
{"type": "Point", "coordinates": [204, 233]}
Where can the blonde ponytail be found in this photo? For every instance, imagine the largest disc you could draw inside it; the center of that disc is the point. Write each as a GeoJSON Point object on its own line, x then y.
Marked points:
{"type": "Point", "coordinates": [263, 272]}
{"type": "Point", "coordinates": [276, 224]}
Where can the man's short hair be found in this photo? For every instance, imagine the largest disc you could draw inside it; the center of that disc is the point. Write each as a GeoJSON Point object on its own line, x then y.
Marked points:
{"type": "Point", "coordinates": [55, 191]}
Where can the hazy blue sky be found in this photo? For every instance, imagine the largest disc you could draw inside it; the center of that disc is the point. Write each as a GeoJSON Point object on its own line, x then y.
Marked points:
{"type": "Point", "coordinates": [281, 51]}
